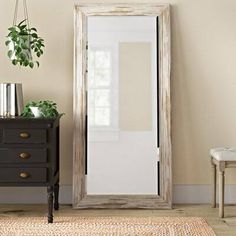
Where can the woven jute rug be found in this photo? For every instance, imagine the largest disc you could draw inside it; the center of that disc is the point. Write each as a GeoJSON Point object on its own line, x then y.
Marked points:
{"type": "Point", "coordinates": [104, 226]}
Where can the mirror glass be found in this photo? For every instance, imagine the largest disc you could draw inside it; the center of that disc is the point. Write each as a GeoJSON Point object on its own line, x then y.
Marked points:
{"type": "Point", "coordinates": [122, 111]}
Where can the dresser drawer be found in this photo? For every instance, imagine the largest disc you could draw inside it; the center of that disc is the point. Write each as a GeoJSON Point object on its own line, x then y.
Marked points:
{"type": "Point", "coordinates": [23, 175]}
{"type": "Point", "coordinates": [23, 155]}
{"type": "Point", "coordinates": [24, 136]}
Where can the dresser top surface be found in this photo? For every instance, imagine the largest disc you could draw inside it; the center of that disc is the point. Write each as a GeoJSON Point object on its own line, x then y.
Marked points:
{"type": "Point", "coordinates": [29, 119]}
{"type": "Point", "coordinates": [26, 122]}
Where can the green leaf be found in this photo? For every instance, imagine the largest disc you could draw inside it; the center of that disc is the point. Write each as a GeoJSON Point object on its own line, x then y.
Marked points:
{"type": "Point", "coordinates": [31, 64]}
{"type": "Point", "coordinates": [13, 28]}
{"type": "Point", "coordinates": [23, 33]}
{"type": "Point", "coordinates": [7, 42]}
{"type": "Point", "coordinates": [34, 35]}
{"type": "Point", "coordinates": [38, 54]}
{"type": "Point", "coordinates": [18, 50]}
{"type": "Point", "coordinates": [37, 63]}
{"type": "Point", "coordinates": [24, 46]}
{"type": "Point", "coordinates": [22, 56]}
{"type": "Point", "coordinates": [14, 39]}
{"type": "Point", "coordinates": [25, 38]}
{"type": "Point", "coordinates": [10, 53]}
{"type": "Point", "coordinates": [22, 22]}
{"type": "Point", "coordinates": [22, 27]}
{"type": "Point", "coordinates": [34, 29]}
{"type": "Point", "coordinates": [26, 63]}
{"type": "Point", "coordinates": [14, 62]}
{"type": "Point", "coordinates": [12, 35]}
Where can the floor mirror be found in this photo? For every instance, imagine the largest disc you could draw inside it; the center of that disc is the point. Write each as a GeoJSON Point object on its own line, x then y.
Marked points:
{"type": "Point", "coordinates": [122, 123]}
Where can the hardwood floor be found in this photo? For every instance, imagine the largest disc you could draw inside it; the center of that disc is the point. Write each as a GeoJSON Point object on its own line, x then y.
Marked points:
{"type": "Point", "coordinates": [226, 226]}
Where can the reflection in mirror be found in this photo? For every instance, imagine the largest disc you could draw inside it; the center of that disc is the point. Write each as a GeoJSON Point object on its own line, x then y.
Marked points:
{"type": "Point", "coordinates": [122, 139]}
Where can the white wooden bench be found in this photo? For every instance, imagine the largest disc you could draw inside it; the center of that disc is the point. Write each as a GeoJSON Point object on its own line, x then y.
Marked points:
{"type": "Point", "coordinates": [221, 158]}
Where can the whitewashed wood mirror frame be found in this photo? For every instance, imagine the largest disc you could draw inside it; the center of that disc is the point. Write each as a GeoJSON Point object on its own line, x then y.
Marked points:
{"type": "Point", "coordinates": [80, 197]}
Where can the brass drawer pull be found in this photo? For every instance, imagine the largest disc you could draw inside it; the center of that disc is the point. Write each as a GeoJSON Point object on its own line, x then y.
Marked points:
{"type": "Point", "coordinates": [24, 175]}
{"type": "Point", "coordinates": [25, 155]}
{"type": "Point", "coordinates": [24, 135]}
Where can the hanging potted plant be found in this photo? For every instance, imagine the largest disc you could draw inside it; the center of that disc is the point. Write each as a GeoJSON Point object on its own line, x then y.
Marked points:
{"type": "Point", "coordinates": [23, 42]}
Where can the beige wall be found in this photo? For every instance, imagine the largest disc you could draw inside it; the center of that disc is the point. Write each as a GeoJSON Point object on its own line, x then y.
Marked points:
{"type": "Point", "coordinates": [135, 86]}
{"type": "Point", "coordinates": [203, 77]}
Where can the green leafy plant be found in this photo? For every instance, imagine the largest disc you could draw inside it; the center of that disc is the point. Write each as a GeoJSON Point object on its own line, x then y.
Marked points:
{"type": "Point", "coordinates": [48, 109]}
{"type": "Point", "coordinates": [22, 42]}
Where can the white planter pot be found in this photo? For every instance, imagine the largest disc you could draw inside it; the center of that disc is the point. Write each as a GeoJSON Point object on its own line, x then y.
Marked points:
{"type": "Point", "coordinates": [36, 112]}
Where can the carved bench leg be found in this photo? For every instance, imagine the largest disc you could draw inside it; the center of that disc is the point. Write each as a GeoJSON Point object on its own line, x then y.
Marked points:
{"type": "Point", "coordinates": [56, 197]}
{"type": "Point", "coordinates": [221, 188]}
{"type": "Point", "coordinates": [214, 186]}
{"type": "Point", "coordinates": [50, 204]}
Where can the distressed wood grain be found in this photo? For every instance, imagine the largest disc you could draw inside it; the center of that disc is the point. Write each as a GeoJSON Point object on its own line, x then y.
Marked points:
{"type": "Point", "coordinates": [79, 107]}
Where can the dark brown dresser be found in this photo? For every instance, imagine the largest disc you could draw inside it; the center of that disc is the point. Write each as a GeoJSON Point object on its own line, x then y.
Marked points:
{"type": "Point", "coordinates": [29, 155]}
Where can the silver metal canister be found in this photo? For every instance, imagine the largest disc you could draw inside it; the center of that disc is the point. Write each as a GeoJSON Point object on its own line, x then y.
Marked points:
{"type": "Point", "coordinates": [11, 99]}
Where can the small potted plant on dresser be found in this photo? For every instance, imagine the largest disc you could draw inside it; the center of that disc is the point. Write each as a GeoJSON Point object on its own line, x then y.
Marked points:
{"type": "Point", "coordinates": [47, 109]}
{"type": "Point", "coordinates": [29, 150]}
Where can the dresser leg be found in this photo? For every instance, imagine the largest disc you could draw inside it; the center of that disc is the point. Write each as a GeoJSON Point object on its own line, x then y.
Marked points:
{"type": "Point", "coordinates": [56, 197]}
{"type": "Point", "coordinates": [50, 204]}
